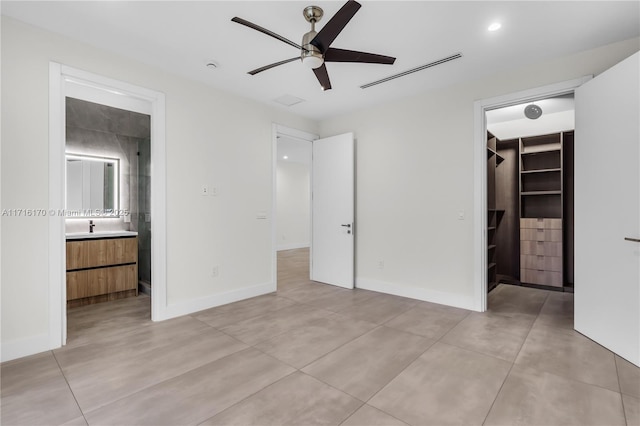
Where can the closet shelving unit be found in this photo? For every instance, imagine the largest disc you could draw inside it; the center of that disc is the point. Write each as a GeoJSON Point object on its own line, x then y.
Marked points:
{"type": "Point", "coordinates": [494, 215]}
{"type": "Point", "coordinates": [541, 210]}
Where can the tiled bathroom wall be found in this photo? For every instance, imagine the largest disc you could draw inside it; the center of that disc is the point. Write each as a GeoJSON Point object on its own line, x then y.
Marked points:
{"type": "Point", "coordinates": [99, 130]}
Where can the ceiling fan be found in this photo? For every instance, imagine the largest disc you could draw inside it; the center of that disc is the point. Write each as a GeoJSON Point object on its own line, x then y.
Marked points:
{"type": "Point", "coordinates": [316, 46]}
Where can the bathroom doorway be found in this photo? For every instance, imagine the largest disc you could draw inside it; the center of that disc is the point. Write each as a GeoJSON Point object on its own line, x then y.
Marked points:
{"type": "Point", "coordinates": [138, 131]}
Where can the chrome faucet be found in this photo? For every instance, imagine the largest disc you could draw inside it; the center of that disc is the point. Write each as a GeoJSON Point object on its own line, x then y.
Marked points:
{"type": "Point", "coordinates": [91, 226]}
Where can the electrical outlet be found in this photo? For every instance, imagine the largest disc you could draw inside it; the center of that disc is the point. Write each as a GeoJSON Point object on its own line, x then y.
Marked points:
{"type": "Point", "coordinates": [213, 191]}
{"type": "Point", "coordinates": [215, 271]}
{"type": "Point", "coordinates": [461, 215]}
{"type": "Point", "coordinates": [380, 264]}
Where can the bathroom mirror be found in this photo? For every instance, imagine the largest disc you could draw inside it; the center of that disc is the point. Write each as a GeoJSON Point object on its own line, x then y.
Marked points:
{"type": "Point", "coordinates": [92, 186]}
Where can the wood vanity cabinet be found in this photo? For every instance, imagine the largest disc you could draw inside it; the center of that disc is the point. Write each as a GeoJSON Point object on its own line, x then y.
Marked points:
{"type": "Point", "coordinates": [101, 269]}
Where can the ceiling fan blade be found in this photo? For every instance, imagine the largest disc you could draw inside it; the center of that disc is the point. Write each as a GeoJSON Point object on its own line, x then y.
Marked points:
{"type": "Point", "coordinates": [265, 31]}
{"type": "Point", "coordinates": [323, 77]}
{"type": "Point", "coordinates": [342, 55]}
{"type": "Point", "coordinates": [266, 67]}
{"type": "Point", "coordinates": [330, 31]}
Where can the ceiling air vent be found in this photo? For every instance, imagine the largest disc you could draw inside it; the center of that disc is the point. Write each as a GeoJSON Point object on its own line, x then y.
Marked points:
{"type": "Point", "coordinates": [288, 100]}
{"type": "Point", "coordinates": [411, 71]}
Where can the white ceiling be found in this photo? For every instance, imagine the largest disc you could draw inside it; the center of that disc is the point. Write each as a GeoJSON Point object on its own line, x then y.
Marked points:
{"type": "Point", "coordinates": [296, 151]}
{"type": "Point", "coordinates": [558, 114]}
{"type": "Point", "coordinates": [181, 37]}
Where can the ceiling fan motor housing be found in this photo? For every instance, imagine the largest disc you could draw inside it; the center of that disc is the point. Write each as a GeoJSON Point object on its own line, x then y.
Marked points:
{"type": "Point", "coordinates": [310, 55]}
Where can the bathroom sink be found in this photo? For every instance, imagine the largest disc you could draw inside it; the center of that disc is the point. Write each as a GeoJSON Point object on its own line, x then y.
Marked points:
{"type": "Point", "coordinates": [99, 234]}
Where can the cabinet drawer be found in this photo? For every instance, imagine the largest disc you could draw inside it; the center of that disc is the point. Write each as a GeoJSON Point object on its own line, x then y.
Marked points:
{"type": "Point", "coordinates": [528, 234]}
{"type": "Point", "coordinates": [532, 276]}
{"type": "Point", "coordinates": [541, 223]}
{"type": "Point", "coordinates": [541, 248]}
{"type": "Point", "coordinates": [539, 262]}
{"type": "Point", "coordinates": [95, 282]}
{"type": "Point", "coordinates": [101, 252]}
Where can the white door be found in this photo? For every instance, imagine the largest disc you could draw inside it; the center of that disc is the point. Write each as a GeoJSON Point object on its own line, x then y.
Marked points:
{"type": "Point", "coordinates": [607, 209]}
{"type": "Point", "coordinates": [332, 209]}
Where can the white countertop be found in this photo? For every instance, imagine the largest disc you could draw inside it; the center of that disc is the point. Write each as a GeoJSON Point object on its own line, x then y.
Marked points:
{"type": "Point", "coordinates": [99, 234]}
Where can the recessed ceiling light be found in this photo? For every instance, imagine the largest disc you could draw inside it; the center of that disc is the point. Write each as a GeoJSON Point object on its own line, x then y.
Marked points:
{"type": "Point", "coordinates": [285, 157]}
{"type": "Point", "coordinates": [495, 26]}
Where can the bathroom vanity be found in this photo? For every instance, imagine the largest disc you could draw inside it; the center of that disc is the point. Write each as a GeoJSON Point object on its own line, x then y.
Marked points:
{"type": "Point", "coordinates": [101, 266]}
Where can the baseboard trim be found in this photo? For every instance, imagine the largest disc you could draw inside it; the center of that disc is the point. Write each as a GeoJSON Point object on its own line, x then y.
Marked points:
{"type": "Point", "coordinates": [19, 348]}
{"type": "Point", "coordinates": [190, 306]}
{"type": "Point", "coordinates": [433, 296]}
{"type": "Point", "coordinates": [292, 246]}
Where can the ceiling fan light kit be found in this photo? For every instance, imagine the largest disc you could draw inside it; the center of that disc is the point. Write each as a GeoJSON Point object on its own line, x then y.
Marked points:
{"type": "Point", "coordinates": [316, 49]}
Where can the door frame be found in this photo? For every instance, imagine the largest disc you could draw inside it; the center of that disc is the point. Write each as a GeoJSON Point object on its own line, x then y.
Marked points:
{"type": "Point", "coordinates": [279, 129]}
{"type": "Point", "coordinates": [65, 80]}
{"type": "Point", "coordinates": [480, 108]}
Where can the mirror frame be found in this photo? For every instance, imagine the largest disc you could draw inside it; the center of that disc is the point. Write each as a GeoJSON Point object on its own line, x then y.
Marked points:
{"type": "Point", "coordinates": [116, 193]}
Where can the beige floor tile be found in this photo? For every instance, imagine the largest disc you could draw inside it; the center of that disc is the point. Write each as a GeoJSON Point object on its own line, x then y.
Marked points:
{"type": "Point", "coordinates": [91, 323]}
{"type": "Point", "coordinates": [140, 341]}
{"type": "Point", "coordinates": [101, 382]}
{"type": "Point", "coordinates": [79, 421]}
{"type": "Point", "coordinates": [305, 344]}
{"type": "Point", "coordinates": [492, 334]}
{"type": "Point", "coordinates": [629, 376]}
{"type": "Point", "coordinates": [428, 319]}
{"type": "Point", "coordinates": [631, 410]}
{"type": "Point", "coordinates": [363, 366]}
{"type": "Point", "coordinates": [295, 400]}
{"type": "Point", "coordinates": [569, 354]}
{"type": "Point", "coordinates": [557, 311]}
{"type": "Point", "coordinates": [380, 308]}
{"type": "Point", "coordinates": [34, 391]}
{"type": "Point", "coordinates": [510, 299]}
{"type": "Point", "coordinates": [232, 313]}
{"type": "Point", "coordinates": [369, 416]}
{"type": "Point", "coordinates": [198, 395]}
{"type": "Point", "coordinates": [445, 386]}
{"type": "Point", "coordinates": [308, 293]}
{"type": "Point", "coordinates": [267, 326]}
{"type": "Point", "coordinates": [336, 302]}
{"type": "Point", "coordinates": [533, 397]}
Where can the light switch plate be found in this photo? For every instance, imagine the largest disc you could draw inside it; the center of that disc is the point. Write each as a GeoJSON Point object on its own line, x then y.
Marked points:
{"type": "Point", "coordinates": [204, 190]}
{"type": "Point", "coordinates": [261, 215]}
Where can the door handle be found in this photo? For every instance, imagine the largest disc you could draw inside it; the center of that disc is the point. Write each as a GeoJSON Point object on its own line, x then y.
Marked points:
{"type": "Point", "coordinates": [348, 225]}
{"type": "Point", "coordinates": [635, 240]}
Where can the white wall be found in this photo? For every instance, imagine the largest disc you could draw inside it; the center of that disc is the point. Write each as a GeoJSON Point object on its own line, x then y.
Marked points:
{"type": "Point", "coordinates": [212, 137]}
{"type": "Point", "coordinates": [293, 205]}
{"type": "Point", "coordinates": [415, 175]}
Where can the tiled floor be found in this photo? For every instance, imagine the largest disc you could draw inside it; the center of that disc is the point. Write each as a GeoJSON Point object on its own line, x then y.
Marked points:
{"type": "Point", "coordinates": [317, 354]}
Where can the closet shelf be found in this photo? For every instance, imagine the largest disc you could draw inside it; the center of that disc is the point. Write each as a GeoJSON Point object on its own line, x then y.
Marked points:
{"type": "Point", "coordinates": [491, 228]}
{"type": "Point", "coordinates": [491, 266]}
{"type": "Point", "coordinates": [491, 247]}
{"type": "Point", "coordinates": [541, 150]}
{"type": "Point", "coordinates": [540, 171]}
{"type": "Point", "coordinates": [541, 193]}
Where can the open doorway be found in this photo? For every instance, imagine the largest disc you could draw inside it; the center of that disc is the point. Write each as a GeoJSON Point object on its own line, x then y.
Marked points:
{"type": "Point", "coordinates": [87, 88]}
{"type": "Point", "coordinates": [292, 157]}
{"type": "Point", "coordinates": [293, 211]}
{"type": "Point", "coordinates": [108, 222]}
{"type": "Point", "coordinates": [530, 150]}
{"type": "Point", "coordinates": [481, 208]}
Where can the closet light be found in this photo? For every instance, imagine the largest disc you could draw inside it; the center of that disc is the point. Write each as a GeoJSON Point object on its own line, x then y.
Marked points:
{"type": "Point", "coordinates": [495, 26]}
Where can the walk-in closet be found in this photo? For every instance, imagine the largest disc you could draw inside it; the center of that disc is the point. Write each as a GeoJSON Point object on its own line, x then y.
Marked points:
{"type": "Point", "coordinates": [530, 194]}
